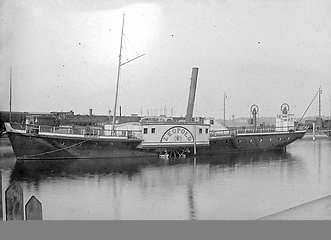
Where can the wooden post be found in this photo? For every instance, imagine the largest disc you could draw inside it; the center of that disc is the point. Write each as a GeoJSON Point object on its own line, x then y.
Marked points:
{"type": "Point", "coordinates": [14, 202]}
{"type": "Point", "coordinates": [33, 209]}
{"type": "Point", "coordinates": [1, 213]}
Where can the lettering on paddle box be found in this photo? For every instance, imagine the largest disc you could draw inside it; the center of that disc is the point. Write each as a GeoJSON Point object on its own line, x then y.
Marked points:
{"type": "Point", "coordinates": [177, 134]}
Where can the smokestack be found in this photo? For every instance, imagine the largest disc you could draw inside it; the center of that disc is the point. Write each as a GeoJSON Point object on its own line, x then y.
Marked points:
{"type": "Point", "coordinates": [190, 105]}
{"type": "Point", "coordinates": [90, 111]}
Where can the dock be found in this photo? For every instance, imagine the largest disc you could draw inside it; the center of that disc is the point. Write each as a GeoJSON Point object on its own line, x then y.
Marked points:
{"type": "Point", "coordinates": [319, 209]}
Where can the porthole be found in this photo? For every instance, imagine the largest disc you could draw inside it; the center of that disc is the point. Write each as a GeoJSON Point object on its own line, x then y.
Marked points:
{"type": "Point", "coordinates": [288, 138]}
{"type": "Point", "coordinates": [111, 144]}
{"type": "Point", "coordinates": [227, 141]}
{"type": "Point", "coordinates": [270, 139]}
{"type": "Point", "coordinates": [251, 140]}
{"type": "Point", "coordinates": [62, 143]}
{"type": "Point", "coordinates": [279, 139]}
{"type": "Point", "coordinates": [261, 139]}
{"type": "Point", "coordinates": [239, 141]}
{"type": "Point", "coordinates": [96, 144]}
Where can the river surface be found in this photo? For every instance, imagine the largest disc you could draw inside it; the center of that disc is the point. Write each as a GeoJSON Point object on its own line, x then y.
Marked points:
{"type": "Point", "coordinates": [224, 187]}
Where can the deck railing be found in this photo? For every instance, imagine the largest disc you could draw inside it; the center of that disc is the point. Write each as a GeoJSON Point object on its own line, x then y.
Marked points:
{"type": "Point", "coordinates": [76, 130]}
{"type": "Point", "coordinates": [235, 131]}
{"type": "Point", "coordinates": [92, 131]}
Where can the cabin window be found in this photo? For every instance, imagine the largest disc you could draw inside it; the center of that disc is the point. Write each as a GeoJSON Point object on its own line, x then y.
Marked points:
{"type": "Point", "coordinates": [270, 139]}
{"type": "Point", "coordinates": [211, 121]}
{"type": "Point", "coordinates": [153, 130]}
{"type": "Point", "coordinates": [251, 140]}
{"type": "Point", "coordinates": [288, 138]}
{"type": "Point", "coordinates": [200, 130]}
{"type": "Point", "coordinates": [239, 141]}
{"type": "Point", "coordinates": [206, 130]}
{"type": "Point", "coordinates": [279, 139]}
{"type": "Point", "coordinates": [145, 130]}
{"type": "Point", "coordinates": [261, 139]}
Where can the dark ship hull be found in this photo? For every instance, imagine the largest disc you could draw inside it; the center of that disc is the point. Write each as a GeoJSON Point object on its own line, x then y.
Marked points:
{"type": "Point", "coordinates": [47, 146]}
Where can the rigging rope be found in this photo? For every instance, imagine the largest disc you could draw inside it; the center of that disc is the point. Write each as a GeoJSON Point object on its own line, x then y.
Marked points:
{"type": "Point", "coordinates": [81, 84]}
{"type": "Point", "coordinates": [208, 103]}
{"type": "Point", "coordinates": [130, 44]}
{"type": "Point", "coordinates": [308, 106]}
{"type": "Point", "coordinates": [181, 98]}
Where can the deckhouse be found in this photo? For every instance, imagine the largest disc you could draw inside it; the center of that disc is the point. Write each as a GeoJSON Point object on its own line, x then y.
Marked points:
{"type": "Point", "coordinates": [167, 135]}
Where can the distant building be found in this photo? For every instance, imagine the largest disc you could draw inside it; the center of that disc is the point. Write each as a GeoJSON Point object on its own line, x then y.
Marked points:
{"type": "Point", "coordinates": [63, 115]}
{"type": "Point", "coordinates": [42, 119]}
{"type": "Point", "coordinates": [319, 123]}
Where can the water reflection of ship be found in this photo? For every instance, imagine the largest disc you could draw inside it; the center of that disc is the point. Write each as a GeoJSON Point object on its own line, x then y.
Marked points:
{"type": "Point", "coordinates": [224, 161]}
{"type": "Point", "coordinates": [41, 170]}
{"type": "Point", "coordinates": [187, 172]}
{"type": "Point", "coordinates": [235, 159]}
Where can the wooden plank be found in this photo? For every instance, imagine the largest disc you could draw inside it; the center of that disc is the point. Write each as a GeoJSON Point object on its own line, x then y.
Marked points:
{"type": "Point", "coordinates": [1, 212]}
{"type": "Point", "coordinates": [14, 202]}
{"type": "Point", "coordinates": [33, 209]}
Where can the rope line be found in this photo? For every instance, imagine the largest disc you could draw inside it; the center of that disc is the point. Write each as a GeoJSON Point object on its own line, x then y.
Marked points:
{"type": "Point", "coordinates": [81, 84]}
{"type": "Point", "coordinates": [130, 44]}
{"type": "Point", "coordinates": [57, 150]}
{"type": "Point", "coordinates": [181, 98]}
{"type": "Point", "coordinates": [208, 103]}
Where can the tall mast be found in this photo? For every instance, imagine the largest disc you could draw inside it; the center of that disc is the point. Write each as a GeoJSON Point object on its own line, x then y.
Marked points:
{"type": "Point", "coordinates": [10, 97]}
{"type": "Point", "coordinates": [118, 77]}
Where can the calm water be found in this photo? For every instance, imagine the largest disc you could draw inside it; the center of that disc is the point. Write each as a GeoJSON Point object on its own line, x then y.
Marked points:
{"type": "Point", "coordinates": [237, 186]}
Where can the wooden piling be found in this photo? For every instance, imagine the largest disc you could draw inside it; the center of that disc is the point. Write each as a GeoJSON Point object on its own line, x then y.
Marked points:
{"type": "Point", "coordinates": [33, 209]}
{"type": "Point", "coordinates": [14, 202]}
{"type": "Point", "coordinates": [1, 212]}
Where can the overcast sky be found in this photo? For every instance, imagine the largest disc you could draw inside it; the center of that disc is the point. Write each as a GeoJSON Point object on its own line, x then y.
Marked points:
{"type": "Point", "coordinates": [64, 55]}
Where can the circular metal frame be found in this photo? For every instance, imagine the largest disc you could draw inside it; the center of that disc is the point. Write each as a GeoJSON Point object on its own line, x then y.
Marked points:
{"type": "Point", "coordinates": [254, 107]}
{"type": "Point", "coordinates": [285, 108]}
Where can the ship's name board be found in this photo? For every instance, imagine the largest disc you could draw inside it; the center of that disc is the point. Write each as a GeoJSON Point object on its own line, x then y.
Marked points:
{"type": "Point", "coordinates": [177, 134]}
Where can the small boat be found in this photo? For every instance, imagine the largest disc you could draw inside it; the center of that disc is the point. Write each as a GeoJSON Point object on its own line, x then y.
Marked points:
{"type": "Point", "coordinates": [164, 137]}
